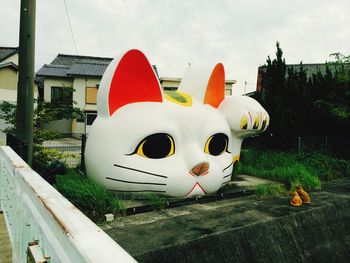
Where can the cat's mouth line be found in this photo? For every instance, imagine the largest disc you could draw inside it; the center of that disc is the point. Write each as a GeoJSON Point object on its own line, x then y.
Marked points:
{"type": "Point", "coordinates": [134, 182]}
{"type": "Point", "coordinates": [227, 167]}
{"type": "Point", "coordinates": [193, 187]}
{"type": "Point", "coordinates": [140, 171]}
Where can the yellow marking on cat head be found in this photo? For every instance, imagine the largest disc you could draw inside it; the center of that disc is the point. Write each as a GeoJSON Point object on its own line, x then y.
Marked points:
{"type": "Point", "coordinates": [256, 122]}
{"type": "Point", "coordinates": [179, 98]}
{"type": "Point", "coordinates": [244, 123]}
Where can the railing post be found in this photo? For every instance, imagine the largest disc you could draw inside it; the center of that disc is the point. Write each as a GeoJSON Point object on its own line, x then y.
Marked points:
{"type": "Point", "coordinates": [82, 157]}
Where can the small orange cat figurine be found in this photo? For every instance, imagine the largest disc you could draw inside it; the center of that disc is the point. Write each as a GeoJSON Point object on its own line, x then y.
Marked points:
{"type": "Point", "coordinates": [296, 200]}
{"type": "Point", "coordinates": [303, 195]}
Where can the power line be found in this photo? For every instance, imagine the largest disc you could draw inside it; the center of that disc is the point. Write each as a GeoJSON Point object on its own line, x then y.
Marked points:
{"type": "Point", "coordinates": [70, 27]}
{"type": "Point", "coordinates": [241, 25]}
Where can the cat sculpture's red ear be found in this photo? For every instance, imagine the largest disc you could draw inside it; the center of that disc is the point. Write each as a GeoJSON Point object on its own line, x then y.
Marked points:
{"type": "Point", "coordinates": [215, 92]}
{"type": "Point", "coordinates": [133, 81]}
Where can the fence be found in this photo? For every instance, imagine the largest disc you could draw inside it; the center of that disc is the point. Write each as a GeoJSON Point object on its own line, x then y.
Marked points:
{"type": "Point", "coordinates": [340, 145]}
{"type": "Point", "coordinates": [69, 145]}
{"type": "Point", "coordinates": [45, 226]}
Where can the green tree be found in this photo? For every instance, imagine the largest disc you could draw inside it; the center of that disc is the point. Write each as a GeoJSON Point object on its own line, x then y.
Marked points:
{"type": "Point", "coordinates": [44, 112]}
{"type": "Point", "coordinates": [306, 106]}
{"type": "Point", "coordinates": [278, 97]}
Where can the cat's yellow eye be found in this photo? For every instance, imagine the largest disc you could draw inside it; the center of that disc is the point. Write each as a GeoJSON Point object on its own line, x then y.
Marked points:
{"type": "Point", "coordinates": [256, 122]}
{"type": "Point", "coordinates": [217, 144]}
{"type": "Point", "coordinates": [244, 123]}
{"type": "Point", "coordinates": [263, 126]}
{"type": "Point", "coordinates": [156, 146]}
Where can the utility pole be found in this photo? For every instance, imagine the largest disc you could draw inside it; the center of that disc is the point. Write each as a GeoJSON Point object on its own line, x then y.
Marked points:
{"type": "Point", "coordinates": [25, 89]}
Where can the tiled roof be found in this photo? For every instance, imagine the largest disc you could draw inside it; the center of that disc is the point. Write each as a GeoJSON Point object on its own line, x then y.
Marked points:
{"type": "Point", "coordinates": [69, 65]}
{"type": "Point", "coordinates": [6, 52]}
{"type": "Point", "coordinates": [69, 60]}
{"type": "Point", "coordinates": [87, 69]}
{"type": "Point", "coordinates": [311, 68]}
{"type": "Point", "coordinates": [53, 71]}
{"type": "Point", "coordinates": [9, 64]}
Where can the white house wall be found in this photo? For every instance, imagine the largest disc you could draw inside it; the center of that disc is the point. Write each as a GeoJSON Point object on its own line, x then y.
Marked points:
{"type": "Point", "coordinates": [13, 59]}
{"type": "Point", "coordinates": [63, 126]}
{"type": "Point", "coordinates": [8, 89]}
{"type": "Point", "coordinates": [79, 96]}
{"type": "Point", "coordinates": [48, 83]}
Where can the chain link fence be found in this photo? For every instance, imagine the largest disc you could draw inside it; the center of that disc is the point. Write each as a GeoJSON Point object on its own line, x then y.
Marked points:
{"type": "Point", "coordinates": [69, 145]}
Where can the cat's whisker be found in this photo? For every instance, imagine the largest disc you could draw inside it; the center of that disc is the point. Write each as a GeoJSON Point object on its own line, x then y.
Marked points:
{"type": "Point", "coordinates": [133, 182]}
{"type": "Point", "coordinates": [137, 191]}
{"type": "Point", "coordinates": [227, 167]}
{"type": "Point", "coordinates": [136, 170]}
{"type": "Point", "coordinates": [226, 176]}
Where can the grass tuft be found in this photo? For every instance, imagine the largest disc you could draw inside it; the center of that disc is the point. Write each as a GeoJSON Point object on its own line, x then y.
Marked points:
{"type": "Point", "coordinates": [88, 196]}
{"type": "Point", "coordinates": [269, 190]}
{"type": "Point", "coordinates": [308, 169]}
{"type": "Point", "coordinates": [157, 201]}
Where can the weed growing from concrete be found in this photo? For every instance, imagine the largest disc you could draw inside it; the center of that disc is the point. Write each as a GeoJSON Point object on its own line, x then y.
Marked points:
{"type": "Point", "coordinates": [269, 190]}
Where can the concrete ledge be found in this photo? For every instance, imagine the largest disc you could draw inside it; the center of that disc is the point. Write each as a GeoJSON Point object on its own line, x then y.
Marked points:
{"type": "Point", "coordinates": [243, 230]}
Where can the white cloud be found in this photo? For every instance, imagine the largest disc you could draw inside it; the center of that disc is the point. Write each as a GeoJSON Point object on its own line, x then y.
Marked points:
{"type": "Point", "coordinates": [173, 33]}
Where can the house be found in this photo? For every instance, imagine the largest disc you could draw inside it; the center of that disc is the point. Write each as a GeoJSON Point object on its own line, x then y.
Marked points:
{"type": "Point", "coordinates": [168, 83]}
{"type": "Point", "coordinates": [310, 69]}
{"type": "Point", "coordinates": [9, 79]}
{"type": "Point", "coordinates": [80, 76]}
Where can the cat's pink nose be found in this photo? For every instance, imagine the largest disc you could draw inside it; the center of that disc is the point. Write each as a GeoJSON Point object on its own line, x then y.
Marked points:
{"type": "Point", "coordinates": [200, 169]}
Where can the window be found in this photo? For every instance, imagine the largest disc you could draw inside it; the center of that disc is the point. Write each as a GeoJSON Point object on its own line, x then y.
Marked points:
{"type": "Point", "coordinates": [170, 88]}
{"type": "Point", "coordinates": [90, 118]}
{"type": "Point", "coordinates": [91, 95]}
{"type": "Point", "coordinates": [62, 95]}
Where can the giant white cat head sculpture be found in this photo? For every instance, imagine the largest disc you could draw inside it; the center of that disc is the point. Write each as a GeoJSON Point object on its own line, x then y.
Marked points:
{"type": "Point", "coordinates": [172, 143]}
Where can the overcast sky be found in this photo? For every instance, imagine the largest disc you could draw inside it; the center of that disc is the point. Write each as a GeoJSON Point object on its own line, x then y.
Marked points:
{"type": "Point", "coordinates": [174, 33]}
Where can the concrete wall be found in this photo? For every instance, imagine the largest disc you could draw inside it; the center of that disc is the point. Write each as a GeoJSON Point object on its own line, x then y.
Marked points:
{"type": "Point", "coordinates": [271, 232]}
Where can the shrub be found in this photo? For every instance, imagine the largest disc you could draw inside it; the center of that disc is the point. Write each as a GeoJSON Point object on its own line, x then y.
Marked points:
{"type": "Point", "coordinates": [42, 159]}
{"type": "Point", "coordinates": [325, 166]}
{"type": "Point", "coordinates": [283, 167]}
{"type": "Point", "coordinates": [88, 196]}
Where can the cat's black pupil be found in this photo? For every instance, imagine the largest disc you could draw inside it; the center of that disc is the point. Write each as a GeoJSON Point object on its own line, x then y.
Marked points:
{"type": "Point", "coordinates": [218, 144]}
{"type": "Point", "coordinates": [157, 146]}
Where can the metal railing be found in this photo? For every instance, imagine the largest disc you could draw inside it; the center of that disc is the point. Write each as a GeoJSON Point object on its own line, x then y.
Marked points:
{"type": "Point", "coordinates": [45, 226]}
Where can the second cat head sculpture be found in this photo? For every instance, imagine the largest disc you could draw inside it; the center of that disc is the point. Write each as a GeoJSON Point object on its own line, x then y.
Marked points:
{"type": "Point", "coordinates": [176, 143]}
